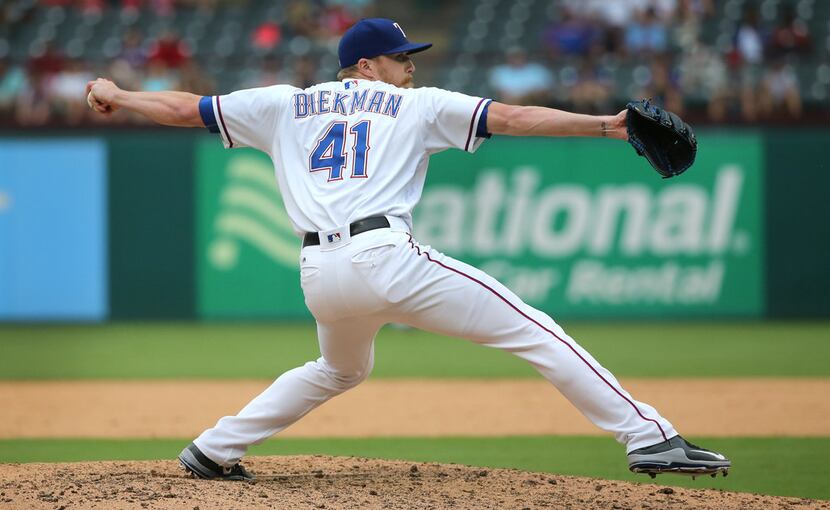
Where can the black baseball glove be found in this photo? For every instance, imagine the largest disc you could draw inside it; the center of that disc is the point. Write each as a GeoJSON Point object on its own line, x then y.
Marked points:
{"type": "Point", "coordinates": [662, 137]}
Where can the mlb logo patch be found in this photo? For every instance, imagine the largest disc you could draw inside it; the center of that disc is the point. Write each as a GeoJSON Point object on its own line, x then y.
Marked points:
{"type": "Point", "coordinates": [333, 238]}
{"type": "Point", "coordinates": [351, 83]}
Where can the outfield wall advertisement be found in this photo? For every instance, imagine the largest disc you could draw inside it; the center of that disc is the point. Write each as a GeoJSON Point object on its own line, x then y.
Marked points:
{"type": "Point", "coordinates": [247, 252]}
{"type": "Point", "coordinates": [152, 225]}
{"type": "Point", "coordinates": [585, 228]}
{"type": "Point", "coordinates": [53, 238]}
{"type": "Point", "coordinates": [136, 226]}
{"type": "Point", "coordinates": [578, 228]}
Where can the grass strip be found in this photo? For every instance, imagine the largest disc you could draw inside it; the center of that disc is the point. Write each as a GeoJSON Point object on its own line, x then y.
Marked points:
{"type": "Point", "coordinates": [264, 350]}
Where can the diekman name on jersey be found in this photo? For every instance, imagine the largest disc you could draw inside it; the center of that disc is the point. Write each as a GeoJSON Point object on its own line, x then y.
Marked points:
{"type": "Point", "coordinates": [321, 102]}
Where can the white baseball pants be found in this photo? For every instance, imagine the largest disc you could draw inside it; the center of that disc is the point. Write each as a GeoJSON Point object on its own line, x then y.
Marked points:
{"type": "Point", "coordinates": [357, 285]}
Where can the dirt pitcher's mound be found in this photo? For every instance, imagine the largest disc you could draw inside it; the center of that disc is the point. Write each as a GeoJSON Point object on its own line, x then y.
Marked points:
{"type": "Point", "coordinates": [345, 483]}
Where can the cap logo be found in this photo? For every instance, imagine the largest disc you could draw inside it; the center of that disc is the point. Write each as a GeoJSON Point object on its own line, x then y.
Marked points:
{"type": "Point", "coordinates": [399, 28]}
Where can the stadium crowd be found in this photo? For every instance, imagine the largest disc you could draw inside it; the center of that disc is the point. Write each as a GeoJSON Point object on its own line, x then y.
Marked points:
{"type": "Point", "coordinates": [47, 87]}
{"type": "Point", "coordinates": [750, 79]}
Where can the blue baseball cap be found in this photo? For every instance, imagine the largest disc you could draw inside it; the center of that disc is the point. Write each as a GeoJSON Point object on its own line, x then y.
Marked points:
{"type": "Point", "coordinates": [371, 37]}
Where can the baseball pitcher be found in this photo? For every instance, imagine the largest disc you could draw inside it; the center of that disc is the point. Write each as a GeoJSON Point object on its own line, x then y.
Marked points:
{"type": "Point", "coordinates": [350, 158]}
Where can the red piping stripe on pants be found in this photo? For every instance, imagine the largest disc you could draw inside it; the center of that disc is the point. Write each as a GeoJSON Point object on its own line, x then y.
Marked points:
{"type": "Point", "coordinates": [531, 319]}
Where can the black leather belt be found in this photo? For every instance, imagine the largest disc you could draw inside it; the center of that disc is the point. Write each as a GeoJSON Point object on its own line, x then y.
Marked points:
{"type": "Point", "coordinates": [358, 227]}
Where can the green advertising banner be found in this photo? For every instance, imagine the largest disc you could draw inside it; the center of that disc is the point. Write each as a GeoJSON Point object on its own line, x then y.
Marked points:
{"type": "Point", "coordinates": [585, 228]}
{"type": "Point", "coordinates": [247, 252]}
{"type": "Point", "coordinates": [578, 228]}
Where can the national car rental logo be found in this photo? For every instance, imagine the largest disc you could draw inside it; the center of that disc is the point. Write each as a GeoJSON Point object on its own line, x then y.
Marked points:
{"type": "Point", "coordinates": [251, 213]}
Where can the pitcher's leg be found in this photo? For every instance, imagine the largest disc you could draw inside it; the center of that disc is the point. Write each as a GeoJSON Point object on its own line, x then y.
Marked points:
{"type": "Point", "coordinates": [347, 356]}
{"type": "Point", "coordinates": [456, 299]}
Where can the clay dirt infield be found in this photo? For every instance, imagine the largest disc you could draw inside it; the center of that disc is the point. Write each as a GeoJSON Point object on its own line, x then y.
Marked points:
{"type": "Point", "coordinates": [743, 407]}
{"type": "Point", "coordinates": [409, 407]}
{"type": "Point", "coordinates": [333, 483]}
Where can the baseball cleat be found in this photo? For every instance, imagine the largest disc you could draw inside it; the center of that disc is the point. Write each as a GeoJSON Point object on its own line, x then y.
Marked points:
{"type": "Point", "coordinates": [677, 456]}
{"type": "Point", "coordinates": [196, 463]}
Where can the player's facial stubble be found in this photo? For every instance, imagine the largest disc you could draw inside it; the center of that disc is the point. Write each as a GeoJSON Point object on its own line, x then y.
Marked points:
{"type": "Point", "coordinates": [397, 70]}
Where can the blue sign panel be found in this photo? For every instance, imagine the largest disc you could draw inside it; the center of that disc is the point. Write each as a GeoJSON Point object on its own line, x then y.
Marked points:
{"type": "Point", "coordinates": [53, 240]}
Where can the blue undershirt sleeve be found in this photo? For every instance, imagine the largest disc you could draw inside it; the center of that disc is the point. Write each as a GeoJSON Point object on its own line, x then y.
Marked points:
{"type": "Point", "coordinates": [206, 111]}
{"type": "Point", "coordinates": [481, 128]}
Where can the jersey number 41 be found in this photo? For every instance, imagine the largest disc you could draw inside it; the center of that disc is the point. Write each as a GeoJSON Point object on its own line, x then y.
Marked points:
{"type": "Point", "coordinates": [330, 152]}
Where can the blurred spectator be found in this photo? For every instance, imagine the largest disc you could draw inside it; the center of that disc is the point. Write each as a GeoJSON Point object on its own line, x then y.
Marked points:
{"type": "Point", "coordinates": [130, 6]}
{"type": "Point", "coordinates": [47, 62]}
{"type": "Point", "coordinates": [163, 7]}
{"type": "Point", "coordinates": [267, 35]}
{"type": "Point", "coordinates": [689, 19]}
{"type": "Point", "coordinates": [335, 20]}
{"type": "Point", "coordinates": [269, 73]}
{"type": "Point", "coordinates": [647, 34]}
{"type": "Point", "coordinates": [32, 107]}
{"type": "Point", "coordinates": [205, 6]}
{"type": "Point", "coordinates": [611, 17]}
{"type": "Point", "coordinates": [125, 75]}
{"type": "Point", "coordinates": [159, 78]}
{"type": "Point", "coordinates": [748, 40]}
{"type": "Point", "coordinates": [90, 7]}
{"type": "Point", "coordinates": [754, 78]}
{"type": "Point", "coordinates": [132, 50]}
{"type": "Point", "coordinates": [194, 80]}
{"type": "Point", "coordinates": [617, 13]}
{"type": "Point", "coordinates": [697, 8]}
{"type": "Point", "coordinates": [665, 10]}
{"type": "Point", "coordinates": [127, 69]}
{"type": "Point", "coordinates": [779, 91]}
{"type": "Point", "coordinates": [169, 49]}
{"type": "Point", "coordinates": [704, 78]}
{"type": "Point", "coordinates": [618, 16]}
{"type": "Point", "coordinates": [570, 36]}
{"type": "Point", "coordinates": [620, 13]}
{"type": "Point", "coordinates": [790, 35]}
{"type": "Point", "coordinates": [302, 18]}
{"type": "Point", "coordinates": [748, 57]}
{"type": "Point", "coordinates": [304, 73]}
{"type": "Point", "coordinates": [66, 90]}
{"type": "Point", "coordinates": [521, 82]}
{"type": "Point", "coordinates": [591, 93]}
{"type": "Point", "coordinates": [12, 84]}
{"type": "Point", "coordinates": [353, 5]}
{"type": "Point", "coordinates": [663, 85]}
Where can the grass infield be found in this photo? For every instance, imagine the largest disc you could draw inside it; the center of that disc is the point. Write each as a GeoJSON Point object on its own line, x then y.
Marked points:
{"type": "Point", "coordinates": [264, 350]}
{"type": "Point", "coordinates": [777, 466]}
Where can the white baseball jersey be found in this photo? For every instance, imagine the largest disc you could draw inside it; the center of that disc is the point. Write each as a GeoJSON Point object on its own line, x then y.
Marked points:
{"type": "Point", "coordinates": [348, 150]}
